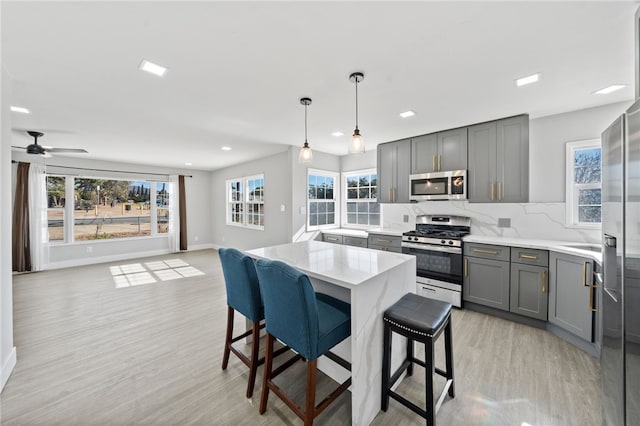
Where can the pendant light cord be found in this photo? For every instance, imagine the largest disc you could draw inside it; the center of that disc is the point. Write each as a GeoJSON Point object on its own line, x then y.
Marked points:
{"type": "Point", "coordinates": [305, 122]}
{"type": "Point", "coordinates": [356, 102]}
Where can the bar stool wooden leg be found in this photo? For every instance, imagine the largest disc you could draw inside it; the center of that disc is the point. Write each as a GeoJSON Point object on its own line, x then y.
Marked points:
{"type": "Point", "coordinates": [429, 370]}
{"type": "Point", "coordinates": [253, 367]}
{"type": "Point", "coordinates": [386, 366]}
{"type": "Point", "coordinates": [268, 366]}
{"type": "Point", "coordinates": [227, 341]}
{"type": "Point", "coordinates": [410, 356]}
{"type": "Point", "coordinates": [310, 404]}
{"type": "Point", "coordinates": [448, 345]}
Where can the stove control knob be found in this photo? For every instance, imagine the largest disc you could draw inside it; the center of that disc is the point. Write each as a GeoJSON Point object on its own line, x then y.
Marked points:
{"type": "Point", "coordinates": [450, 242]}
{"type": "Point", "coordinates": [442, 241]}
{"type": "Point", "coordinates": [415, 238]}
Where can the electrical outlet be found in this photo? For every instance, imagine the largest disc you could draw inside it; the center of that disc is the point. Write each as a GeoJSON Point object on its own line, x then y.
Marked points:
{"type": "Point", "coordinates": [196, 238]}
{"type": "Point", "coordinates": [89, 249]}
{"type": "Point", "coordinates": [405, 218]}
{"type": "Point", "coordinates": [504, 222]}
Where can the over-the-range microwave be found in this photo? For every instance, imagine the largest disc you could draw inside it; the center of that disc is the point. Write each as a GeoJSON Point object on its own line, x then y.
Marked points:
{"type": "Point", "coordinates": [451, 185]}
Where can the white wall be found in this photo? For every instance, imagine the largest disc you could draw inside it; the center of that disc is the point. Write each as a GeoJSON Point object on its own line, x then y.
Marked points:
{"type": "Point", "coordinates": [7, 350]}
{"type": "Point", "coordinates": [198, 195]}
{"type": "Point", "coordinates": [547, 138]}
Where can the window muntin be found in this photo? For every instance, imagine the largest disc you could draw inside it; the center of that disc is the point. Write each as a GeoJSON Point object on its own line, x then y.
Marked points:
{"type": "Point", "coordinates": [56, 201]}
{"type": "Point", "coordinates": [322, 195]}
{"type": "Point", "coordinates": [584, 182]}
{"type": "Point", "coordinates": [162, 207]}
{"type": "Point", "coordinates": [245, 201]}
{"type": "Point", "coordinates": [362, 208]}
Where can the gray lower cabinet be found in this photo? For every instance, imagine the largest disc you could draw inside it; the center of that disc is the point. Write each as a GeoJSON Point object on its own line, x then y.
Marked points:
{"type": "Point", "coordinates": [385, 242]}
{"type": "Point", "coordinates": [529, 290]}
{"type": "Point", "coordinates": [571, 294]}
{"type": "Point", "coordinates": [354, 241]}
{"type": "Point", "coordinates": [332, 238]}
{"type": "Point", "coordinates": [394, 168]}
{"type": "Point", "coordinates": [486, 275]}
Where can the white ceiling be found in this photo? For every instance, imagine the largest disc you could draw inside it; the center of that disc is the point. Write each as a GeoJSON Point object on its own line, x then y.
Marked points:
{"type": "Point", "coordinates": [237, 71]}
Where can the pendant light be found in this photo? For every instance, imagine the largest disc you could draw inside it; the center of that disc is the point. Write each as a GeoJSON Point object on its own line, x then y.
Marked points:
{"type": "Point", "coordinates": [306, 156]}
{"type": "Point", "coordinates": [357, 143]}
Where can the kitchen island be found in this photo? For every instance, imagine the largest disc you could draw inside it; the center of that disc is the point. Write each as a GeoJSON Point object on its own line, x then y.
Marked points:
{"type": "Point", "coordinates": [371, 281]}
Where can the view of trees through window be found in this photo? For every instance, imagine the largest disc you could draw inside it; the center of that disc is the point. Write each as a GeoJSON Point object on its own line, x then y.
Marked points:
{"type": "Point", "coordinates": [362, 206]}
{"type": "Point", "coordinates": [321, 199]}
{"type": "Point", "coordinates": [587, 180]}
{"type": "Point", "coordinates": [107, 208]}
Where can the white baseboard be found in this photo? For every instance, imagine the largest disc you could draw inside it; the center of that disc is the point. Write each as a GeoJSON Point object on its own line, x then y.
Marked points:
{"type": "Point", "coordinates": [7, 368]}
{"type": "Point", "coordinates": [202, 247]}
{"type": "Point", "coordinates": [103, 259]}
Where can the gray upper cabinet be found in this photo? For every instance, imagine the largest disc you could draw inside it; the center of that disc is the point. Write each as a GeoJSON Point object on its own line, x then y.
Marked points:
{"type": "Point", "coordinates": [394, 168]}
{"type": "Point", "coordinates": [437, 152]}
{"type": "Point", "coordinates": [571, 295]}
{"type": "Point", "coordinates": [499, 161]}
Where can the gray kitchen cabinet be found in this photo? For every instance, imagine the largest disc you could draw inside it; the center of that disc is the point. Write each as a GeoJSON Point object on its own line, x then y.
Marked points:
{"type": "Point", "coordinates": [394, 168]}
{"type": "Point", "coordinates": [529, 283]}
{"type": "Point", "coordinates": [441, 151]}
{"type": "Point", "coordinates": [571, 295]}
{"type": "Point", "coordinates": [385, 242]}
{"type": "Point", "coordinates": [354, 241]}
{"type": "Point", "coordinates": [332, 238]}
{"type": "Point", "coordinates": [486, 275]}
{"type": "Point", "coordinates": [499, 161]}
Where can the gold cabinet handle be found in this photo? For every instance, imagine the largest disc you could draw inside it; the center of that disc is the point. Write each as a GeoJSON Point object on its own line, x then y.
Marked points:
{"type": "Point", "coordinates": [544, 281]}
{"type": "Point", "coordinates": [332, 239]}
{"type": "Point", "coordinates": [393, 191]}
{"type": "Point", "coordinates": [439, 163]}
{"type": "Point", "coordinates": [584, 274]}
{"type": "Point", "coordinates": [499, 191]}
{"type": "Point", "coordinates": [477, 250]}
{"type": "Point", "coordinates": [591, 307]}
{"type": "Point", "coordinates": [528, 256]}
{"type": "Point", "coordinates": [384, 241]}
{"type": "Point", "coordinates": [466, 268]}
{"type": "Point", "coordinates": [433, 163]}
{"type": "Point", "coordinates": [491, 191]}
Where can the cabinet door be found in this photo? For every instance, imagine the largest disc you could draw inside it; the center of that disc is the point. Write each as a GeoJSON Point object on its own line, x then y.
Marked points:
{"type": "Point", "coordinates": [529, 291]}
{"type": "Point", "coordinates": [354, 241]}
{"type": "Point", "coordinates": [570, 281]}
{"type": "Point", "coordinates": [386, 171]}
{"type": "Point", "coordinates": [452, 150]}
{"type": "Point", "coordinates": [424, 152]}
{"type": "Point", "coordinates": [332, 238]}
{"type": "Point", "coordinates": [486, 282]}
{"type": "Point", "coordinates": [513, 159]}
{"type": "Point", "coordinates": [403, 170]}
{"type": "Point", "coordinates": [482, 163]}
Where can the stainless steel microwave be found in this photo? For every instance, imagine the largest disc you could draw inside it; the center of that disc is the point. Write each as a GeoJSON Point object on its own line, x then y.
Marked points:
{"type": "Point", "coordinates": [450, 185]}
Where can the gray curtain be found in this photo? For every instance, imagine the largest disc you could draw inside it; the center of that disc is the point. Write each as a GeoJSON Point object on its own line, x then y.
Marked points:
{"type": "Point", "coordinates": [182, 205]}
{"type": "Point", "coordinates": [21, 247]}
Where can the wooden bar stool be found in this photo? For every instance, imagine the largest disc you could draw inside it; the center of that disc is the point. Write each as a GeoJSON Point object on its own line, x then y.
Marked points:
{"type": "Point", "coordinates": [422, 320]}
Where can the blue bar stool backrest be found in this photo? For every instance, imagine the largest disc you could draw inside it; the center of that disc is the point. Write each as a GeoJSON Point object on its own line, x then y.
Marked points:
{"type": "Point", "coordinates": [241, 281]}
{"type": "Point", "coordinates": [291, 311]}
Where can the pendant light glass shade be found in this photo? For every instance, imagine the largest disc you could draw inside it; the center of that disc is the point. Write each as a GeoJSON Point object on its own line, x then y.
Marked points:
{"type": "Point", "coordinates": [357, 142]}
{"type": "Point", "coordinates": [306, 155]}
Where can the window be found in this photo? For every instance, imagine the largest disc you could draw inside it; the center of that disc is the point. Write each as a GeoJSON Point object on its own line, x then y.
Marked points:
{"type": "Point", "coordinates": [362, 208]}
{"type": "Point", "coordinates": [584, 177]}
{"type": "Point", "coordinates": [321, 199]}
{"type": "Point", "coordinates": [105, 208]}
{"type": "Point", "coordinates": [245, 201]}
{"type": "Point", "coordinates": [56, 201]}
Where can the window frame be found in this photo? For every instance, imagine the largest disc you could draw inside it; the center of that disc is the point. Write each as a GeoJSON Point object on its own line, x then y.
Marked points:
{"type": "Point", "coordinates": [344, 200]}
{"type": "Point", "coordinates": [244, 184]}
{"type": "Point", "coordinates": [336, 199]}
{"type": "Point", "coordinates": [572, 189]}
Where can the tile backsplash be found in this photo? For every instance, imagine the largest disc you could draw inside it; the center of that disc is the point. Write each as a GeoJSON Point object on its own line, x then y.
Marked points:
{"type": "Point", "coordinates": [541, 221]}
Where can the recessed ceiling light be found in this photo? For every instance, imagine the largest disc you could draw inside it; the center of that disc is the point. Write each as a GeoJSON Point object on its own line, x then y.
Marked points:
{"type": "Point", "coordinates": [609, 89]}
{"type": "Point", "coordinates": [337, 134]}
{"type": "Point", "coordinates": [188, 164]}
{"type": "Point", "coordinates": [226, 148]}
{"type": "Point", "coordinates": [407, 114]}
{"type": "Point", "coordinates": [528, 79]}
{"type": "Point", "coordinates": [20, 109]}
{"type": "Point", "coordinates": [152, 68]}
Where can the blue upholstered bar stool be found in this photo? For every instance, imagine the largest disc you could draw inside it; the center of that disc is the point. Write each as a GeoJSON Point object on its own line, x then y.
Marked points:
{"type": "Point", "coordinates": [308, 322]}
{"type": "Point", "coordinates": [243, 295]}
{"type": "Point", "coordinates": [421, 320]}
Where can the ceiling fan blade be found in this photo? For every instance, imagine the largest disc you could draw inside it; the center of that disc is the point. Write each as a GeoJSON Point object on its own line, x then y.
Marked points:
{"type": "Point", "coordinates": [18, 147]}
{"type": "Point", "coordinates": [70, 150]}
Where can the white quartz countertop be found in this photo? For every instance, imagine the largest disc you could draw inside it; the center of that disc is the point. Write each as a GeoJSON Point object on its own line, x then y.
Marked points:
{"type": "Point", "coordinates": [343, 265]}
{"type": "Point", "coordinates": [553, 245]}
{"type": "Point", "coordinates": [397, 232]}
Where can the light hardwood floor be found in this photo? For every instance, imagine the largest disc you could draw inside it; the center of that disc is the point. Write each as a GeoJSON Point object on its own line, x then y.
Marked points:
{"type": "Point", "coordinates": [90, 353]}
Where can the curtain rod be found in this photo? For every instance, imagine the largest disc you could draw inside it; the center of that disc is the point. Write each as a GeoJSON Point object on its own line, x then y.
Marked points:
{"type": "Point", "coordinates": [105, 170]}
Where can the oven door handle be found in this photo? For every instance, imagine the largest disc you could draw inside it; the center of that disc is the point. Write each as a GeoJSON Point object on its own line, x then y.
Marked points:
{"type": "Point", "coordinates": [428, 247]}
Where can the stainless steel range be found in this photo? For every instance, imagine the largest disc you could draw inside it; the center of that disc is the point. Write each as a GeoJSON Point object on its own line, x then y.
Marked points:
{"type": "Point", "coordinates": [437, 245]}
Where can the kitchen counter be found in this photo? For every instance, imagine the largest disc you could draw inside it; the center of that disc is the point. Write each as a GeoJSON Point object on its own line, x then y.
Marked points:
{"type": "Point", "coordinates": [397, 232]}
{"type": "Point", "coordinates": [371, 281]}
{"type": "Point", "coordinates": [557, 246]}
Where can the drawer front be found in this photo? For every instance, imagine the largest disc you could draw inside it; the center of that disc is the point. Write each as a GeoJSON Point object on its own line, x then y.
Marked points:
{"type": "Point", "coordinates": [487, 251]}
{"type": "Point", "coordinates": [385, 248]}
{"type": "Point", "coordinates": [385, 240]}
{"type": "Point", "coordinates": [332, 238]}
{"type": "Point", "coordinates": [530, 256]}
{"type": "Point", "coordinates": [354, 241]}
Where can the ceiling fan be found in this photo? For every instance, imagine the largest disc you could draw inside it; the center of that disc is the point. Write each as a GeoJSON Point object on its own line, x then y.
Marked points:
{"type": "Point", "coordinates": [37, 149]}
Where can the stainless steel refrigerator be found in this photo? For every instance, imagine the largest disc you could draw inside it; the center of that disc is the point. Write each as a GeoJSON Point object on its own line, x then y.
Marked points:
{"type": "Point", "coordinates": [620, 354]}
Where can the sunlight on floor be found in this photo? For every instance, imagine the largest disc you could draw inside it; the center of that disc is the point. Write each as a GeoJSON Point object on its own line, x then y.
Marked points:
{"type": "Point", "coordinates": [137, 274]}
